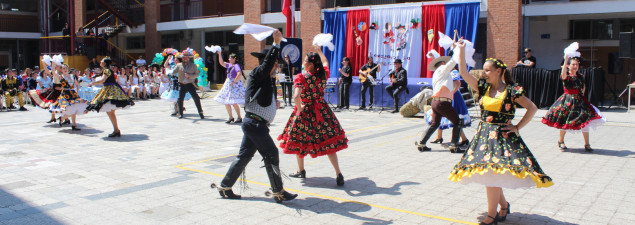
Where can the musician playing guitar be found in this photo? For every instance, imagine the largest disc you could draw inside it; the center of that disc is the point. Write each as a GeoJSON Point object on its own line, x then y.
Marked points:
{"type": "Point", "coordinates": [371, 69]}
{"type": "Point", "coordinates": [398, 83]}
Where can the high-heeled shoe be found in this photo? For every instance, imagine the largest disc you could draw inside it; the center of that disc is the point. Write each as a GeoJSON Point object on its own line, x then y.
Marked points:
{"type": "Point", "coordinates": [437, 141]}
{"type": "Point", "coordinates": [494, 221]}
{"type": "Point", "coordinates": [67, 121]}
{"type": "Point", "coordinates": [588, 148]}
{"type": "Point", "coordinates": [503, 218]}
{"type": "Point", "coordinates": [299, 174]}
{"type": "Point", "coordinates": [75, 128]}
{"type": "Point", "coordinates": [59, 121]}
{"type": "Point", "coordinates": [230, 120]}
{"type": "Point", "coordinates": [115, 134]}
{"type": "Point", "coordinates": [562, 146]}
{"type": "Point", "coordinates": [340, 180]}
{"type": "Point", "coordinates": [239, 120]}
{"type": "Point", "coordinates": [52, 120]}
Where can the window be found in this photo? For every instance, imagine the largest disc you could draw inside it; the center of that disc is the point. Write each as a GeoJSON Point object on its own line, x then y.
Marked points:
{"type": "Point", "coordinates": [591, 29]}
{"type": "Point", "coordinates": [170, 41]}
{"type": "Point", "coordinates": [137, 42]}
{"type": "Point", "coordinates": [627, 25]}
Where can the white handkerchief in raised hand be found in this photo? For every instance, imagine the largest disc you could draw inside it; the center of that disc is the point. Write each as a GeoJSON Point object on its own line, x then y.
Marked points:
{"type": "Point", "coordinates": [469, 54]}
{"type": "Point", "coordinates": [213, 48]}
{"type": "Point", "coordinates": [445, 41]}
{"type": "Point", "coordinates": [572, 50]}
{"type": "Point", "coordinates": [259, 32]}
{"type": "Point", "coordinates": [324, 40]}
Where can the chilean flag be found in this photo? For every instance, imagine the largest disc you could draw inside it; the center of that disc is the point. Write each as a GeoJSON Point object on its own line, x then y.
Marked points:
{"type": "Point", "coordinates": [288, 9]}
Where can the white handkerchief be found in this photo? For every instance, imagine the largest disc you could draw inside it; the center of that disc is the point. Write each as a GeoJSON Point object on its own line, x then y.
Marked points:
{"type": "Point", "coordinates": [469, 54]}
{"type": "Point", "coordinates": [445, 41]}
{"type": "Point", "coordinates": [259, 32]}
{"type": "Point", "coordinates": [324, 40]}
{"type": "Point", "coordinates": [572, 50]}
{"type": "Point", "coordinates": [213, 48]}
{"type": "Point", "coordinates": [58, 59]}
{"type": "Point", "coordinates": [47, 59]}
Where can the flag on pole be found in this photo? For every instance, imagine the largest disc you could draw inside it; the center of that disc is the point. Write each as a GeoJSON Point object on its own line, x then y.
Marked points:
{"type": "Point", "coordinates": [288, 9]}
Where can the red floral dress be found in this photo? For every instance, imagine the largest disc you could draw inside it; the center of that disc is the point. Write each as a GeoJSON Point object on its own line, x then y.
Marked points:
{"type": "Point", "coordinates": [315, 130]}
{"type": "Point", "coordinates": [572, 111]}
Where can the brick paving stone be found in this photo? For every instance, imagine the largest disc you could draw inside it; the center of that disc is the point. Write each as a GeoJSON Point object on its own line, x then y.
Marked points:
{"type": "Point", "coordinates": [133, 179]}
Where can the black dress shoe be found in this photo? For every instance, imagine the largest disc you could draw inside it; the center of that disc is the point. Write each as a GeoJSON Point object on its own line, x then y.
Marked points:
{"type": "Point", "coordinates": [362, 108]}
{"type": "Point", "coordinates": [340, 180]}
{"type": "Point", "coordinates": [52, 121]}
{"type": "Point", "coordinates": [438, 141]}
{"type": "Point", "coordinates": [181, 116]}
{"type": "Point", "coordinates": [394, 111]}
{"type": "Point", "coordinates": [173, 114]}
{"type": "Point", "coordinates": [23, 109]}
{"type": "Point", "coordinates": [67, 121]}
{"type": "Point", "coordinates": [75, 128]}
{"type": "Point", "coordinates": [239, 120]}
{"type": "Point", "coordinates": [300, 174]}
{"type": "Point", "coordinates": [230, 120]}
{"type": "Point", "coordinates": [282, 196]}
{"type": "Point", "coordinates": [115, 134]}
{"type": "Point", "coordinates": [454, 148]}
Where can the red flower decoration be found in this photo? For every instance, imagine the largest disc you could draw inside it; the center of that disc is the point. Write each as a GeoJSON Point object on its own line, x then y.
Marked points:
{"type": "Point", "coordinates": [489, 118]}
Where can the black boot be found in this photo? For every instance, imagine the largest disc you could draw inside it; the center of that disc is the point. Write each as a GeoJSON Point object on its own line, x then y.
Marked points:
{"type": "Point", "coordinates": [279, 194]}
{"type": "Point", "coordinates": [421, 146]}
{"type": "Point", "coordinates": [456, 134]}
{"type": "Point", "coordinates": [237, 167]}
{"type": "Point", "coordinates": [225, 192]}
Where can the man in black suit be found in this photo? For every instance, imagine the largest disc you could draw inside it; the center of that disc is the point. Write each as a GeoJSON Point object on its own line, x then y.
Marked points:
{"type": "Point", "coordinates": [399, 83]}
{"type": "Point", "coordinates": [260, 110]}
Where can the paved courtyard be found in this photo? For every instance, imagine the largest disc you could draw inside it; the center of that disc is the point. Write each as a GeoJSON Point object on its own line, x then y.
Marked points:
{"type": "Point", "coordinates": [160, 170]}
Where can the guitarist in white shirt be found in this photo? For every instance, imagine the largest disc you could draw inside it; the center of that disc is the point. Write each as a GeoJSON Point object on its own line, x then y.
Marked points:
{"type": "Point", "coordinates": [371, 69]}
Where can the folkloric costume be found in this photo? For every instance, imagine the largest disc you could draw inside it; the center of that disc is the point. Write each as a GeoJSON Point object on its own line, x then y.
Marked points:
{"type": "Point", "coordinates": [10, 86]}
{"type": "Point", "coordinates": [459, 106]}
{"type": "Point", "coordinates": [572, 111]}
{"type": "Point", "coordinates": [111, 96]}
{"type": "Point", "coordinates": [187, 83]}
{"type": "Point", "coordinates": [68, 103]}
{"type": "Point", "coordinates": [171, 94]}
{"type": "Point", "coordinates": [496, 158]}
{"type": "Point", "coordinates": [315, 131]}
{"type": "Point", "coordinates": [443, 87]}
{"type": "Point", "coordinates": [232, 94]}
{"type": "Point", "coordinates": [260, 109]}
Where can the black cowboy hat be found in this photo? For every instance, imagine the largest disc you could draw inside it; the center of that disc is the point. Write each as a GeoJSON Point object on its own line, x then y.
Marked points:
{"type": "Point", "coordinates": [397, 61]}
{"type": "Point", "coordinates": [261, 54]}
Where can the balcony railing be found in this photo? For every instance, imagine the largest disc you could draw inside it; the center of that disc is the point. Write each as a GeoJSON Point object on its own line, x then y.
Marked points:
{"type": "Point", "coordinates": [195, 9]}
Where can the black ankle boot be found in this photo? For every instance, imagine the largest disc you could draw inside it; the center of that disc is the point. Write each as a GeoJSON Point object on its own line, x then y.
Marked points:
{"type": "Point", "coordinates": [421, 146]}
{"type": "Point", "coordinates": [225, 192]}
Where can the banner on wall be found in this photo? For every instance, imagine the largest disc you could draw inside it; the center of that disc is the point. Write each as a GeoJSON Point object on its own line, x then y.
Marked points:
{"type": "Point", "coordinates": [395, 33]}
{"type": "Point", "coordinates": [293, 48]}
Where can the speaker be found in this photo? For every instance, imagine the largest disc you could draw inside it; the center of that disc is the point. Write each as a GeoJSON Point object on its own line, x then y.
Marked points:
{"type": "Point", "coordinates": [627, 45]}
{"type": "Point", "coordinates": [615, 63]}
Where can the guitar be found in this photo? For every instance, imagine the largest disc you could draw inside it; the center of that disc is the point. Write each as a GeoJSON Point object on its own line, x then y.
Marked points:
{"type": "Point", "coordinates": [363, 76]}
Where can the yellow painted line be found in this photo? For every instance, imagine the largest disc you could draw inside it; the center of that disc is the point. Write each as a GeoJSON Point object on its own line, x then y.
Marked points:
{"type": "Point", "coordinates": [339, 199]}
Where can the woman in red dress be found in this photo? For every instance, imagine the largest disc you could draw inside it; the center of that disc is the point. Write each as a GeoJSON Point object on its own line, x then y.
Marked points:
{"type": "Point", "coordinates": [313, 128]}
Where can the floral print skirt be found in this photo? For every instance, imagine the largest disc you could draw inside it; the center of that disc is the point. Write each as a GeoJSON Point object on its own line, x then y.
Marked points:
{"type": "Point", "coordinates": [497, 159]}
{"type": "Point", "coordinates": [69, 103]}
{"type": "Point", "coordinates": [315, 131]}
{"type": "Point", "coordinates": [110, 97]}
{"type": "Point", "coordinates": [231, 94]}
{"type": "Point", "coordinates": [573, 112]}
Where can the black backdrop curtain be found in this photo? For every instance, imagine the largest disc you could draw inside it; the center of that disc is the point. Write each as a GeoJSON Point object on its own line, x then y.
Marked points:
{"type": "Point", "coordinates": [544, 86]}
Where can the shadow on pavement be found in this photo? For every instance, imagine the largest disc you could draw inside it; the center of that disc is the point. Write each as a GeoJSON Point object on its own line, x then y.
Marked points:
{"type": "Point", "coordinates": [604, 152]}
{"type": "Point", "coordinates": [361, 186]}
{"type": "Point", "coordinates": [522, 218]}
{"type": "Point", "coordinates": [89, 132]}
{"type": "Point", "coordinates": [25, 213]}
{"type": "Point", "coordinates": [321, 206]}
{"type": "Point", "coordinates": [127, 138]}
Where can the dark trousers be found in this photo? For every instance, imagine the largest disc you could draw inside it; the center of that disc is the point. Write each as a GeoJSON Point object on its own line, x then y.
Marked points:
{"type": "Point", "coordinates": [394, 91]}
{"type": "Point", "coordinates": [287, 91]}
{"type": "Point", "coordinates": [345, 94]}
{"type": "Point", "coordinates": [256, 138]}
{"type": "Point", "coordinates": [371, 87]}
{"type": "Point", "coordinates": [443, 109]}
{"type": "Point", "coordinates": [192, 90]}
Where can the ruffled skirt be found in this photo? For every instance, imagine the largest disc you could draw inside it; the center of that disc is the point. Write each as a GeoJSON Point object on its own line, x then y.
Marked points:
{"type": "Point", "coordinates": [573, 113]}
{"type": "Point", "coordinates": [69, 103]}
{"type": "Point", "coordinates": [316, 132]}
{"type": "Point", "coordinates": [172, 94]}
{"type": "Point", "coordinates": [231, 94]}
{"type": "Point", "coordinates": [497, 159]}
{"type": "Point", "coordinates": [46, 98]}
{"type": "Point", "coordinates": [110, 97]}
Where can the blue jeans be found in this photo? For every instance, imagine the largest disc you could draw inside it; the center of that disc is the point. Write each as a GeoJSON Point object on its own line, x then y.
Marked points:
{"type": "Point", "coordinates": [256, 138]}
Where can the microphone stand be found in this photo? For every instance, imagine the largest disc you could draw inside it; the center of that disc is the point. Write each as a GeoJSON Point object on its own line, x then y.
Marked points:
{"type": "Point", "coordinates": [382, 91]}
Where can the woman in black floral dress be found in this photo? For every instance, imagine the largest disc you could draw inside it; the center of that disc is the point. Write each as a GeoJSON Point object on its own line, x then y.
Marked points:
{"type": "Point", "coordinates": [313, 128]}
{"type": "Point", "coordinates": [572, 111]}
{"type": "Point", "coordinates": [497, 157]}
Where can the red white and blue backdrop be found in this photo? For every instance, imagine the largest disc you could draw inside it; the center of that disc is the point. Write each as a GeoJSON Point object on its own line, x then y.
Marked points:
{"type": "Point", "coordinates": [402, 32]}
